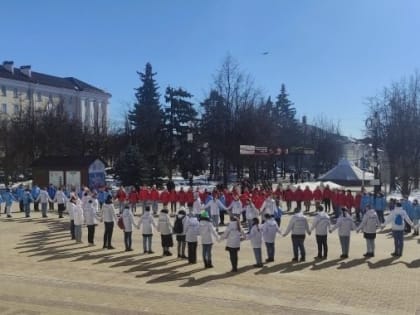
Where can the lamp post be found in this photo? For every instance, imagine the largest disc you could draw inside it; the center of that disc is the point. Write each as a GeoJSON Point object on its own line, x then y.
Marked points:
{"type": "Point", "coordinates": [190, 141]}
{"type": "Point", "coordinates": [373, 124]}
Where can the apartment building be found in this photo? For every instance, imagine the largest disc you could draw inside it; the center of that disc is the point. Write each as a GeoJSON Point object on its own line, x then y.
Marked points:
{"type": "Point", "coordinates": [21, 87]}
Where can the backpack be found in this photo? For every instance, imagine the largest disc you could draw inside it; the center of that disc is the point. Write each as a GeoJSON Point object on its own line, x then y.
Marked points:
{"type": "Point", "coordinates": [120, 223]}
{"type": "Point", "coordinates": [398, 220]}
{"type": "Point", "coordinates": [178, 226]}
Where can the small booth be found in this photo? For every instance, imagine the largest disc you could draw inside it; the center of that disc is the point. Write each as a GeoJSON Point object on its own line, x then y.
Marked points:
{"type": "Point", "coordinates": [69, 172]}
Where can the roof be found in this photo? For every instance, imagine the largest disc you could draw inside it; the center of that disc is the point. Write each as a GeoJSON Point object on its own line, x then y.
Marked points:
{"type": "Point", "coordinates": [58, 162]}
{"type": "Point", "coordinates": [49, 80]}
{"type": "Point", "coordinates": [346, 171]}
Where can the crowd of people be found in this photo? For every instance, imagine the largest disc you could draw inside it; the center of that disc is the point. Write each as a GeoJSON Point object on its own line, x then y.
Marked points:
{"type": "Point", "coordinates": [254, 215]}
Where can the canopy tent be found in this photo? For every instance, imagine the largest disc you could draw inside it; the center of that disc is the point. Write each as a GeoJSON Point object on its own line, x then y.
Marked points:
{"type": "Point", "coordinates": [346, 174]}
{"type": "Point", "coordinates": [313, 185]}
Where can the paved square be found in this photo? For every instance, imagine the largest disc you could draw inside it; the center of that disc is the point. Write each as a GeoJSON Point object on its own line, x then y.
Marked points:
{"type": "Point", "coordinates": [43, 272]}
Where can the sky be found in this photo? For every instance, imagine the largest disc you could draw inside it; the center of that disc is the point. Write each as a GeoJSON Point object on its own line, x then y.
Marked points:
{"type": "Point", "coordinates": [332, 55]}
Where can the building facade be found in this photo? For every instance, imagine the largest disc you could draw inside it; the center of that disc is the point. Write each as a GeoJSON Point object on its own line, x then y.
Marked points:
{"type": "Point", "coordinates": [21, 88]}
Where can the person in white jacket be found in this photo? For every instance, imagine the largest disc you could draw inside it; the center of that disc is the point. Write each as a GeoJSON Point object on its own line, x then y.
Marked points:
{"type": "Point", "coordinates": [298, 225]}
{"type": "Point", "coordinates": [397, 217]}
{"type": "Point", "coordinates": [128, 220]}
{"type": "Point", "coordinates": [61, 199]}
{"type": "Point", "coordinates": [269, 206]}
{"type": "Point", "coordinates": [197, 207]}
{"type": "Point", "coordinates": [370, 223]}
{"type": "Point", "coordinates": [78, 220]}
{"type": "Point", "coordinates": [251, 212]}
{"type": "Point", "coordinates": [235, 206]}
{"type": "Point", "coordinates": [147, 223]}
{"type": "Point", "coordinates": [191, 231]}
{"type": "Point", "coordinates": [344, 225]}
{"type": "Point", "coordinates": [43, 198]}
{"type": "Point", "coordinates": [214, 205]}
{"type": "Point", "coordinates": [90, 213]}
{"type": "Point", "coordinates": [233, 234]}
{"type": "Point", "coordinates": [73, 200]}
{"type": "Point", "coordinates": [165, 228]}
{"type": "Point", "coordinates": [269, 229]}
{"type": "Point", "coordinates": [207, 234]}
{"type": "Point", "coordinates": [255, 236]}
{"type": "Point", "coordinates": [321, 225]}
{"type": "Point", "coordinates": [109, 218]}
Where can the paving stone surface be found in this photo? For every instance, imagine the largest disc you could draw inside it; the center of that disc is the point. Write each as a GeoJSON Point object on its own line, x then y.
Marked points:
{"type": "Point", "coordinates": [43, 272]}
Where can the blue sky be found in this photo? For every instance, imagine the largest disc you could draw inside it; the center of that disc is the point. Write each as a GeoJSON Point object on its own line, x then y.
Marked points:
{"type": "Point", "coordinates": [331, 54]}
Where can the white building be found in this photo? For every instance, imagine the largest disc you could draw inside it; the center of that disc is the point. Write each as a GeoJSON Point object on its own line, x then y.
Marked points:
{"type": "Point", "coordinates": [22, 87]}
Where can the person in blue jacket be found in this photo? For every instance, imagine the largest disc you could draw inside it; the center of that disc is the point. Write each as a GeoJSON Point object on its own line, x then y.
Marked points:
{"type": "Point", "coordinates": [35, 194]}
{"type": "Point", "coordinates": [19, 196]}
{"type": "Point", "coordinates": [278, 212]}
{"type": "Point", "coordinates": [416, 216]}
{"type": "Point", "coordinates": [379, 204]}
{"type": "Point", "coordinates": [1, 201]}
{"type": "Point", "coordinates": [27, 200]}
{"type": "Point", "coordinates": [51, 192]}
{"type": "Point", "coordinates": [8, 200]}
{"type": "Point", "coordinates": [365, 201]}
{"type": "Point", "coordinates": [408, 207]}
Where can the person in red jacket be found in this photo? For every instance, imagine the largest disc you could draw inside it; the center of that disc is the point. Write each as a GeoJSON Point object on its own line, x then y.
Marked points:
{"type": "Point", "coordinates": [133, 198]}
{"type": "Point", "coordinates": [122, 198]}
{"type": "Point", "coordinates": [143, 197]}
{"type": "Point", "coordinates": [307, 198]}
{"type": "Point", "coordinates": [164, 198]}
{"type": "Point", "coordinates": [182, 197]}
{"type": "Point", "coordinates": [356, 204]}
{"type": "Point", "coordinates": [154, 197]}
{"type": "Point", "coordinates": [326, 198]}
{"type": "Point", "coordinates": [334, 201]}
{"type": "Point", "coordinates": [299, 197]}
{"type": "Point", "coordinates": [288, 196]}
{"type": "Point", "coordinates": [349, 200]}
{"type": "Point", "coordinates": [317, 195]}
{"type": "Point", "coordinates": [173, 198]}
{"type": "Point", "coordinates": [190, 199]}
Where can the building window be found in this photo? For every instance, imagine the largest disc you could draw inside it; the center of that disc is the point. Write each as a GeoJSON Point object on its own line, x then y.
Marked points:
{"type": "Point", "coordinates": [39, 97]}
{"type": "Point", "coordinates": [3, 90]}
{"type": "Point", "coordinates": [16, 109]}
{"type": "Point", "coordinates": [15, 93]}
{"type": "Point", "coordinates": [4, 108]}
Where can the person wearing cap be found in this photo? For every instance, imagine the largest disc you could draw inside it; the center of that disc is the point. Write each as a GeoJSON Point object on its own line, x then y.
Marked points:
{"type": "Point", "coordinates": [398, 218]}
{"type": "Point", "coordinates": [165, 228]}
{"type": "Point", "coordinates": [321, 225]}
{"type": "Point", "coordinates": [269, 229]}
{"type": "Point", "coordinates": [344, 225]}
{"type": "Point", "coordinates": [207, 234]}
{"type": "Point", "coordinates": [298, 225]}
{"type": "Point", "coordinates": [147, 223]}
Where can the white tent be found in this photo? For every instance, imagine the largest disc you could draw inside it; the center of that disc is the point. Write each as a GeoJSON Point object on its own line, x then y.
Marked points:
{"type": "Point", "coordinates": [346, 173]}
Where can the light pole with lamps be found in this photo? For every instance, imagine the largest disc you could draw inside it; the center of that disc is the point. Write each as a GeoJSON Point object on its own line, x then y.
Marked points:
{"type": "Point", "coordinates": [373, 124]}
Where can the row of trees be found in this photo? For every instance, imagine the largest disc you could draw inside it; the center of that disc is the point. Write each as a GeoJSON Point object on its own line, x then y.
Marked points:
{"type": "Point", "coordinates": [173, 136]}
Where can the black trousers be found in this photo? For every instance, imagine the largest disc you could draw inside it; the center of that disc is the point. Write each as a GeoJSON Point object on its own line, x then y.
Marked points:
{"type": "Point", "coordinates": [127, 240]}
{"type": "Point", "coordinates": [61, 208]}
{"type": "Point", "coordinates": [192, 252]}
{"type": "Point", "coordinates": [36, 205]}
{"type": "Point", "coordinates": [109, 228]}
{"type": "Point", "coordinates": [222, 217]}
{"type": "Point", "coordinates": [91, 234]}
{"type": "Point", "coordinates": [21, 208]}
{"type": "Point", "coordinates": [321, 241]}
{"type": "Point", "coordinates": [72, 229]}
{"type": "Point", "coordinates": [233, 255]}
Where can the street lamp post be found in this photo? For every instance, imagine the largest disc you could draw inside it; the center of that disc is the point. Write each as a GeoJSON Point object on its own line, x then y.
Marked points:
{"type": "Point", "coordinates": [374, 125]}
{"type": "Point", "coordinates": [190, 141]}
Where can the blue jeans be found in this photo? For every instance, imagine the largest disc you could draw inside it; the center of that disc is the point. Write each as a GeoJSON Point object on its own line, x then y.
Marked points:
{"type": "Point", "coordinates": [380, 214]}
{"type": "Point", "coordinates": [258, 256]}
{"type": "Point", "coordinates": [345, 244]}
{"type": "Point", "coordinates": [297, 242]}
{"type": "Point", "coordinates": [215, 220]}
{"type": "Point", "coordinates": [207, 254]}
{"type": "Point", "coordinates": [147, 242]}
{"type": "Point", "coordinates": [270, 250]}
{"type": "Point", "coordinates": [398, 241]}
